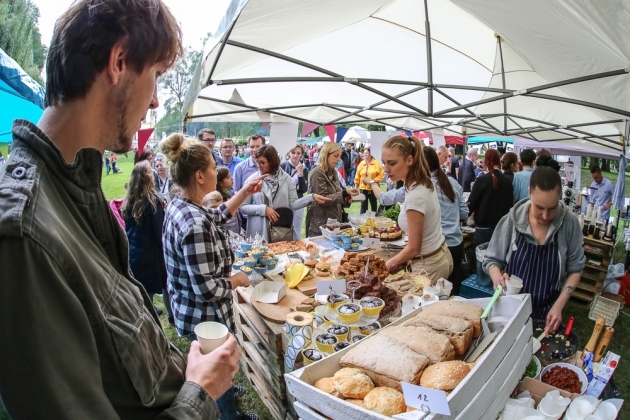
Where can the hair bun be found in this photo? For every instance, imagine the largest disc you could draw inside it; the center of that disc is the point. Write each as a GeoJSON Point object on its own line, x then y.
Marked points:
{"type": "Point", "coordinates": [172, 146]}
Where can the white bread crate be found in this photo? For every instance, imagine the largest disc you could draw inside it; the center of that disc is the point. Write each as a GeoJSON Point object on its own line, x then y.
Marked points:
{"type": "Point", "coordinates": [500, 363]}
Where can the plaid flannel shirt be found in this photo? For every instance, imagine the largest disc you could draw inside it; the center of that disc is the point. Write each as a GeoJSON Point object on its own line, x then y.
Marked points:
{"type": "Point", "coordinates": [198, 261]}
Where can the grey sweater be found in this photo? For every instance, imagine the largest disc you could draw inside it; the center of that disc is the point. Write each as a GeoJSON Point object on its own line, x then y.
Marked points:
{"type": "Point", "coordinates": [570, 238]}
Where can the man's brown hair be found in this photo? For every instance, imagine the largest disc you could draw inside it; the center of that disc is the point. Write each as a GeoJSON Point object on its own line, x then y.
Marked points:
{"type": "Point", "coordinates": [85, 34]}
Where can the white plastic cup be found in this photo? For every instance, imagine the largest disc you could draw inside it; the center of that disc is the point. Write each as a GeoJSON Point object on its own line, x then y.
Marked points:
{"type": "Point", "coordinates": [514, 286]}
{"type": "Point", "coordinates": [606, 411]}
{"type": "Point", "coordinates": [211, 335]}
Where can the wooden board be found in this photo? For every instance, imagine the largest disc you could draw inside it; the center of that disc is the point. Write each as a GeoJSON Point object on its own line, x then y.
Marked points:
{"type": "Point", "coordinates": [278, 312]}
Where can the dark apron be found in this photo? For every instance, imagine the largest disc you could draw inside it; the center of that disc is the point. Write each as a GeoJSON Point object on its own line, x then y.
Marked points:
{"type": "Point", "coordinates": [539, 268]}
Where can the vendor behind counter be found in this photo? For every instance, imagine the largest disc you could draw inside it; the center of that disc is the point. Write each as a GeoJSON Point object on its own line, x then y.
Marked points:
{"type": "Point", "coordinates": [539, 241]}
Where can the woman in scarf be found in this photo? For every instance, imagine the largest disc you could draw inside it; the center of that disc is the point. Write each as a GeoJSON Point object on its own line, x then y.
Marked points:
{"type": "Point", "coordinates": [278, 191]}
{"type": "Point", "coordinates": [325, 180]}
{"type": "Point", "coordinates": [299, 173]}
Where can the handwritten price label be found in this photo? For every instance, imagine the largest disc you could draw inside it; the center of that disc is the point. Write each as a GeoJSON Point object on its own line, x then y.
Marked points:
{"type": "Point", "coordinates": [371, 242]}
{"type": "Point", "coordinates": [426, 399]}
{"type": "Point", "coordinates": [338, 286]}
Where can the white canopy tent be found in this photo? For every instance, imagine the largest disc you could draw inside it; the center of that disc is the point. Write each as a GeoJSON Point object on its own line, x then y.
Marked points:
{"type": "Point", "coordinates": [540, 70]}
{"type": "Point", "coordinates": [356, 134]}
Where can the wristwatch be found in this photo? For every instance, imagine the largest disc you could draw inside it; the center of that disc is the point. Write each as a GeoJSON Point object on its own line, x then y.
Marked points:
{"type": "Point", "coordinates": [373, 182]}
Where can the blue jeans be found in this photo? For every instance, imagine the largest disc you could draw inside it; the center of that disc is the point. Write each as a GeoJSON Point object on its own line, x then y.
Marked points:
{"type": "Point", "coordinates": [351, 173]}
{"type": "Point", "coordinates": [227, 401]}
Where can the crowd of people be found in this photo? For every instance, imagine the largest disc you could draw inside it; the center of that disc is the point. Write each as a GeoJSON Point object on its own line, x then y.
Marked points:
{"type": "Point", "coordinates": [94, 342]}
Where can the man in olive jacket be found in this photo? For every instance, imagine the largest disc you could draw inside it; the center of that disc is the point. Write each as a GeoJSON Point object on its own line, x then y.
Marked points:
{"type": "Point", "coordinates": [80, 337]}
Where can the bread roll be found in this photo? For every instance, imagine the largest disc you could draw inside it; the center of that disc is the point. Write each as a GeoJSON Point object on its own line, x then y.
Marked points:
{"type": "Point", "coordinates": [422, 340]}
{"type": "Point", "coordinates": [458, 331]}
{"type": "Point", "coordinates": [444, 376]}
{"type": "Point", "coordinates": [328, 386]}
{"type": "Point", "coordinates": [355, 402]}
{"type": "Point", "coordinates": [457, 309]}
{"type": "Point", "coordinates": [385, 400]}
{"type": "Point", "coordinates": [353, 383]}
{"type": "Point", "coordinates": [386, 361]}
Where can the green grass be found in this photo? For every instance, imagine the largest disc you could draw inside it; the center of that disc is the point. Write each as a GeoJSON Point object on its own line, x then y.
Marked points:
{"type": "Point", "coordinates": [114, 184]}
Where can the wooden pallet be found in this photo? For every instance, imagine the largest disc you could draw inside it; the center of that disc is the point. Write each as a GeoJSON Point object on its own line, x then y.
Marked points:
{"type": "Point", "coordinates": [262, 346]}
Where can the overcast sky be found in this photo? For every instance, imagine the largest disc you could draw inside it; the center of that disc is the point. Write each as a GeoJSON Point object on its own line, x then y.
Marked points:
{"type": "Point", "coordinates": [196, 17]}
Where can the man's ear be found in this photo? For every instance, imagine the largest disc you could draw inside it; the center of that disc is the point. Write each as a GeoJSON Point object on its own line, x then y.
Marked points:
{"type": "Point", "coordinates": [116, 66]}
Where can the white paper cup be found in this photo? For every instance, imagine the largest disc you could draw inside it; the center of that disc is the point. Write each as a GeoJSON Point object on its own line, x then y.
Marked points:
{"type": "Point", "coordinates": [514, 285]}
{"type": "Point", "coordinates": [211, 335]}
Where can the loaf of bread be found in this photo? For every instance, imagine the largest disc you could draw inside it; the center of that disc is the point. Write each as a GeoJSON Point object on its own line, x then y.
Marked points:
{"type": "Point", "coordinates": [458, 331]}
{"type": "Point", "coordinates": [353, 383]}
{"type": "Point", "coordinates": [386, 361]}
{"type": "Point", "coordinates": [385, 400]}
{"type": "Point", "coordinates": [457, 309]}
{"type": "Point", "coordinates": [422, 340]}
{"type": "Point", "coordinates": [444, 376]}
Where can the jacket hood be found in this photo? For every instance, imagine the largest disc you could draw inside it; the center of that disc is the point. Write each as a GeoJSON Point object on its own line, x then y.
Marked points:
{"type": "Point", "coordinates": [519, 214]}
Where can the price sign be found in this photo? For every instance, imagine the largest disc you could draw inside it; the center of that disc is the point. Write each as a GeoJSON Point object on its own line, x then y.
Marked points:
{"type": "Point", "coordinates": [426, 399]}
{"type": "Point", "coordinates": [338, 286]}
{"type": "Point", "coordinates": [371, 242]}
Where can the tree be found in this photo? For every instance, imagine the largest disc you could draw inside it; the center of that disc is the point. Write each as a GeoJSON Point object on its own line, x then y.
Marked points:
{"type": "Point", "coordinates": [20, 37]}
{"type": "Point", "coordinates": [177, 81]}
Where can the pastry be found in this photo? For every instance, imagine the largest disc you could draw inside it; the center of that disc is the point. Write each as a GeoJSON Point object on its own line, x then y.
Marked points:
{"type": "Point", "coordinates": [458, 331]}
{"type": "Point", "coordinates": [353, 383]}
{"type": "Point", "coordinates": [328, 386]}
{"type": "Point", "coordinates": [371, 305]}
{"type": "Point", "coordinates": [349, 312]}
{"type": "Point", "coordinates": [369, 328]}
{"type": "Point", "coordinates": [385, 400]}
{"type": "Point", "coordinates": [386, 361]}
{"type": "Point", "coordinates": [355, 401]}
{"type": "Point", "coordinates": [325, 342]}
{"type": "Point", "coordinates": [457, 309]}
{"type": "Point", "coordinates": [339, 331]}
{"type": "Point", "coordinates": [311, 355]}
{"type": "Point", "coordinates": [444, 376]}
{"type": "Point", "coordinates": [335, 300]}
{"type": "Point", "coordinates": [422, 340]}
{"type": "Point", "coordinates": [341, 345]}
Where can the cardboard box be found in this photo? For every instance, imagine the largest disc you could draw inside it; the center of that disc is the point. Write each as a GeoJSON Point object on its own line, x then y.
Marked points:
{"type": "Point", "coordinates": [538, 389]}
{"type": "Point", "coordinates": [482, 394]}
{"type": "Point", "coordinates": [269, 292]}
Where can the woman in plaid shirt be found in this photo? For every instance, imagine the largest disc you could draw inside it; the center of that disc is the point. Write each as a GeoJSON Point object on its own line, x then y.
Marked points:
{"type": "Point", "coordinates": [197, 253]}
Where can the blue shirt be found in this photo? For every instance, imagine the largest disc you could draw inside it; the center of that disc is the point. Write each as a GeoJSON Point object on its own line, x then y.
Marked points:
{"type": "Point", "coordinates": [392, 197]}
{"type": "Point", "coordinates": [520, 184]}
{"type": "Point", "coordinates": [452, 212]}
{"type": "Point", "coordinates": [232, 165]}
{"type": "Point", "coordinates": [601, 194]}
{"type": "Point", "coordinates": [242, 171]}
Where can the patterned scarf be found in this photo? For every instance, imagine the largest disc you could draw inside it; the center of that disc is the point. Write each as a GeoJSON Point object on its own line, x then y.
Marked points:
{"type": "Point", "coordinates": [273, 182]}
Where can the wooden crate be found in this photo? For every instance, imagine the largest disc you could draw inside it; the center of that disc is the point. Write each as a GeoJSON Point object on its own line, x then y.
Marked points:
{"type": "Point", "coordinates": [599, 253]}
{"type": "Point", "coordinates": [262, 345]}
{"type": "Point", "coordinates": [500, 363]}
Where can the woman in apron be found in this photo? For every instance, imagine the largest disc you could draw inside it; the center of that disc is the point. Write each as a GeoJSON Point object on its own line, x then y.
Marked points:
{"type": "Point", "coordinates": [540, 242]}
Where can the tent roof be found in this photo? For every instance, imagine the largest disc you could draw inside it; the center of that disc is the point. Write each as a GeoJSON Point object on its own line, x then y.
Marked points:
{"type": "Point", "coordinates": [20, 96]}
{"type": "Point", "coordinates": [547, 71]}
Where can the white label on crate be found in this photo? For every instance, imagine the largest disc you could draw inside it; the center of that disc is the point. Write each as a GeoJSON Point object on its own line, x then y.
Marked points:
{"type": "Point", "coordinates": [426, 399]}
{"type": "Point", "coordinates": [338, 286]}
{"type": "Point", "coordinates": [371, 242]}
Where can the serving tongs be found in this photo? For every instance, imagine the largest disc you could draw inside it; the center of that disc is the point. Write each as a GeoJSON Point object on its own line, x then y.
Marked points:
{"type": "Point", "coordinates": [486, 337]}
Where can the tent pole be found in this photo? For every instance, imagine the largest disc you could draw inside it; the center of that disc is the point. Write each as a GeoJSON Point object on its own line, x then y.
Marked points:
{"type": "Point", "coordinates": [427, 29]}
{"type": "Point", "coordinates": [503, 82]}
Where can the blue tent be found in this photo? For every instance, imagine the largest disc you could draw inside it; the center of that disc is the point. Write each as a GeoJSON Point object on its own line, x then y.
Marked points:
{"type": "Point", "coordinates": [20, 96]}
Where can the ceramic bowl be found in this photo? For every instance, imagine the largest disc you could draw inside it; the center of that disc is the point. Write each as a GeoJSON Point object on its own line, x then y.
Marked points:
{"type": "Point", "coordinates": [346, 239]}
{"type": "Point", "coordinates": [246, 247]}
{"type": "Point", "coordinates": [240, 253]}
{"type": "Point", "coordinates": [260, 269]}
{"type": "Point", "coordinates": [574, 368]}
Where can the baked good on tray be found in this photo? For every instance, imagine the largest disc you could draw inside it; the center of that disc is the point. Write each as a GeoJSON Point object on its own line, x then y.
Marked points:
{"type": "Point", "coordinates": [328, 386]}
{"type": "Point", "coordinates": [386, 361]}
{"type": "Point", "coordinates": [353, 383]}
{"type": "Point", "coordinates": [423, 340]}
{"type": "Point", "coordinates": [386, 401]}
{"type": "Point", "coordinates": [445, 376]}
{"type": "Point", "coordinates": [457, 309]}
{"type": "Point", "coordinates": [458, 331]}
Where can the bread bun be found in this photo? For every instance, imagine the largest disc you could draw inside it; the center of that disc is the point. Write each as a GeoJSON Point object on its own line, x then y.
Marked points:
{"type": "Point", "coordinates": [353, 383]}
{"type": "Point", "coordinates": [386, 401]}
{"type": "Point", "coordinates": [328, 386]}
{"type": "Point", "coordinates": [310, 263]}
{"type": "Point", "coordinates": [322, 269]}
{"type": "Point", "coordinates": [444, 376]}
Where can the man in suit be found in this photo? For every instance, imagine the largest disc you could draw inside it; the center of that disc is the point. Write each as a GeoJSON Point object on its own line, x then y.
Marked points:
{"type": "Point", "coordinates": [467, 170]}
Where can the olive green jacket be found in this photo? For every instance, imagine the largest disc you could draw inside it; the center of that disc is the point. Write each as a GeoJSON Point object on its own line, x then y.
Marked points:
{"type": "Point", "coordinates": [80, 338]}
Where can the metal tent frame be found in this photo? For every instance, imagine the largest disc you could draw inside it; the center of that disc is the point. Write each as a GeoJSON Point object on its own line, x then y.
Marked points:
{"type": "Point", "coordinates": [391, 109]}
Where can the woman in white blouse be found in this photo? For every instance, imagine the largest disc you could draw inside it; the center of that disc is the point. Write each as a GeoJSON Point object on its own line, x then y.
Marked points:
{"type": "Point", "coordinates": [403, 160]}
